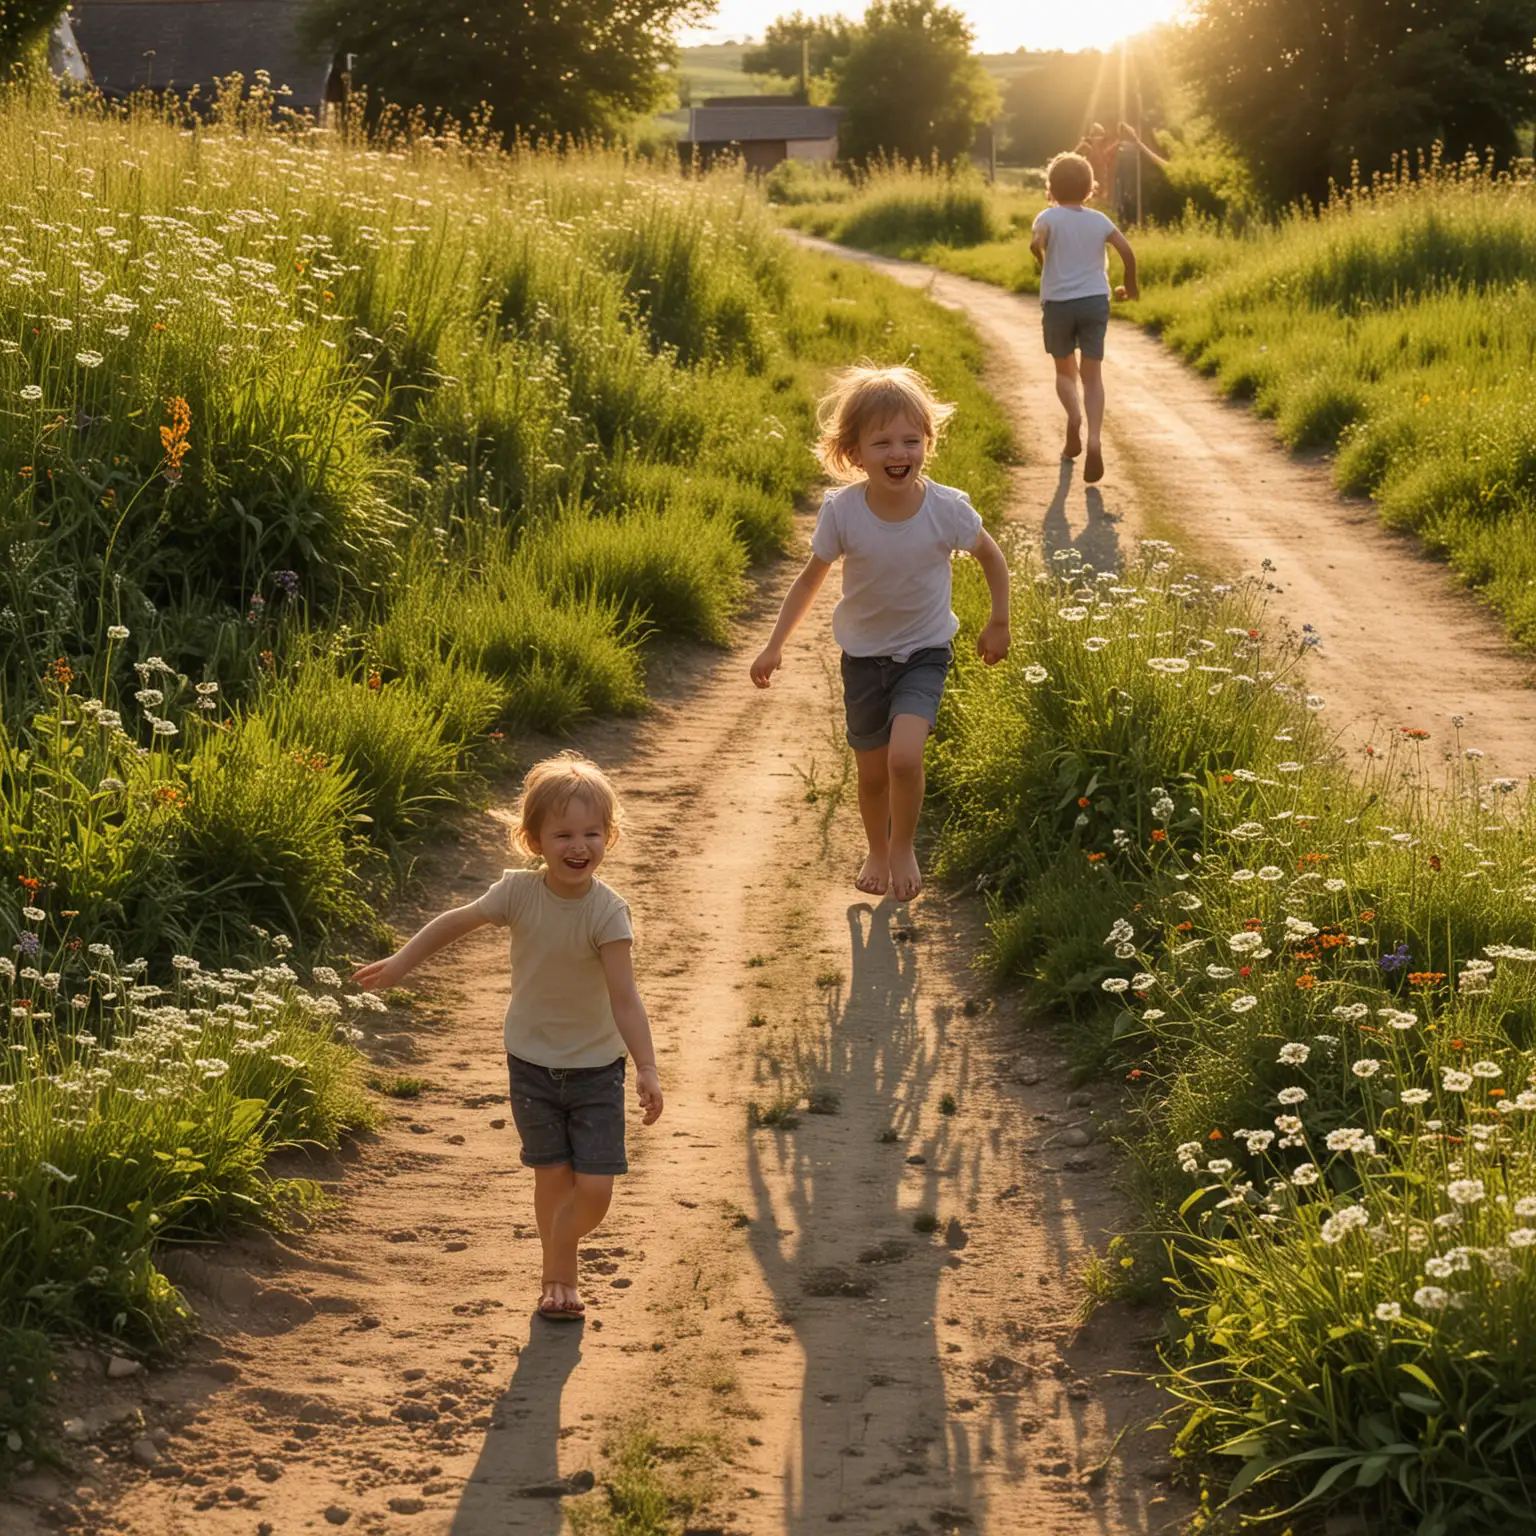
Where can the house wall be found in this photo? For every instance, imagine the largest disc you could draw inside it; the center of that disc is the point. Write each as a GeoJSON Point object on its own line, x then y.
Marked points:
{"type": "Point", "coordinates": [813, 151]}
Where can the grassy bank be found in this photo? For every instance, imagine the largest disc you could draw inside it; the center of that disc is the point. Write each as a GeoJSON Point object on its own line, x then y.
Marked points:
{"type": "Point", "coordinates": [1317, 984]}
{"type": "Point", "coordinates": [325, 464]}
{"type": "Point", "coordinates": [1390, 329]}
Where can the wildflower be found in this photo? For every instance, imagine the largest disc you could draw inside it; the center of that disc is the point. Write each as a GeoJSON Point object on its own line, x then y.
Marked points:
{"type": "Point", "coordinates": [57, 1173]}
{"type": "Point", "coordinates": [1288, 1125]}
{"type": "Point", "coordinates": [33, 914]}
{"type": "Point", "coordinates": [1240, 876]}
{"type": "Point", "coordinates": [89, 359]}
{"type": "Point", "coordinates": [1093, 858]}
{"type": "Point", "coordinates": [1294, 1054]}
{"type": "Point", "coordinates": [1388, 1311]}
{"type": "Point", "coordinates": [1343, 1222]}
{"type": "Point", "coordinates": [1269, 872]}
{"type": "Point", "coordinates": [1335, 885]}
{"type": "Point", "coordinates": [111, 786]}
{"type": "Point", "coordinates": [1114, 984]}
{"type": "Point", "coordinates": [117, 632]}
{"type": "Point", "coordinates": [1397, 1018]}
{"type": "Point", "coordinates": [1367, 1066]}
{"type": "Point", "coordinates": [31, 392]}
{"type": "Point", "coordinates": [1522, 1237]}
{"type": "Point", "coordinates": [1415, 1095]}
{"type": "Point", "coordinates": [1257, 1141]}
{"type": "Point", "coordinates": [1219, 1166]}
{"type": "Point", "coordinates": [1425, 978]}
{"type": "Point", "coordinates": [1349, 1139]}
{"type": "Point", "coordinates": [1245, 942]}
{"type": "Point", "coordinates": [1315, 701]}
{"type": "Point", "coordinates": [1430, 1298]}
{"type": "Point", "coordinates": [1526, 1205]}
{"type": "Point", "coordinates": [1247, 829]}
{"type": "Point", "coordinates": [1485, 1069]}
{"type": "Point", "coordinates": [1453, 1081]}
{"type": "Point", "coordinates": [1306, 981]}
{"type": "Point", "coordinates": [1072, 615]}
{"type": "Point", "coordinates": [1413, 733]}
{"type": "Point", "coordinates": [1399, 959]}
{"type": "Point", "coordinates": [1291, 1095]}
{"type": "Point", "coordinates": [1219, 972]}
{"type": "Point", "coordinates": [1035, 675]}
{"type": "Point", "coordinates": [1152, 1015]}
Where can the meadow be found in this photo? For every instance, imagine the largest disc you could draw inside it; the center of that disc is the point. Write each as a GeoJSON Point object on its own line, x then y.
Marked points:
{"type": "Point", "coordinates": [1315, 976]}
{"type": "Point", "coordinates": [329, 463]}
{"type": "Point", "coordinates": [1390, 329]}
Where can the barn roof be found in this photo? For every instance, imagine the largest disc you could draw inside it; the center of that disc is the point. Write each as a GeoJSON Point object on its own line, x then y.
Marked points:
{"type": "Point", "coordinates": [748, 124]}
{"type": "Point", "coordinates": [178, 44]}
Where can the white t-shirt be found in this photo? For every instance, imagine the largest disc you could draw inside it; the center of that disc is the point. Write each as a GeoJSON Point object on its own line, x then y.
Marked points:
{"type": "Point", "coordinates": [896, 588]}
{"type": "Point", "coordinates": [559, 1014]}
{"type": "Point", "coordinates": [1076, 262]}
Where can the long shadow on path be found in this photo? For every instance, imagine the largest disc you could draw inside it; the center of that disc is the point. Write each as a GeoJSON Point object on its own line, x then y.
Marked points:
{"type": "Point", "coordinates": [515, 1485]}
{"type": "Point", "coordinates": [1099, 541]}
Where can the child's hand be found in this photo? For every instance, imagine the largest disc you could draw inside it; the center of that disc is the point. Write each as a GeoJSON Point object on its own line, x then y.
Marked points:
{"type": "Point", "coordinates": [1128, 291]}
{"type": "Point", "coordinates": [993, 642]}
{"type": "Point", "coordinates": [648, 1090]}
{"type": "Point", "coordinates": [764, 668]}
{"type": "Point", "coordinates": [380, 975]}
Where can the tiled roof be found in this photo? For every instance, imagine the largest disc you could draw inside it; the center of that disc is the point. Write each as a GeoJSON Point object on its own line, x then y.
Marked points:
{"type": "Point", "coordinates": [178, 44]}
{"type": "Point", "coordinates": [744, 125]}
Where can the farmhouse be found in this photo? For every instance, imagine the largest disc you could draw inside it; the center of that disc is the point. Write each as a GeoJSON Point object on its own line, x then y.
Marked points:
{"type": "Point", "coordinates": [762, 130]}
{"type": "Point", "coordinates": [182, 45]}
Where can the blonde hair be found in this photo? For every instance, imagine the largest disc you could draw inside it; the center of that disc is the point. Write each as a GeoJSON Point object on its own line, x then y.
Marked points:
{"type": "Point", "coordinates": [866, 395]}
{"type": "Point", "coordinates": [1069, 177]}
{"type": "Point", "coordinates": [551, 785]}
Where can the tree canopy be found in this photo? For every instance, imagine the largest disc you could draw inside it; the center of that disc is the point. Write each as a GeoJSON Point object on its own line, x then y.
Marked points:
{"type": "Point", "coordinates": [1304, 91]}
{"type": "Point", "coordinates": [545, 67]}
{"type": "Point", "coordinates": [779, 53]}
{"type": "Point", "coordinates": [910, 85]}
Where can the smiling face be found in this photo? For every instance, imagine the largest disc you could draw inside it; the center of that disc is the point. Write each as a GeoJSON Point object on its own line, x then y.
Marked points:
{"type": "Point", "coordinates": [572, 842]}
{"type": "Point", "coordinates": [891, 452]}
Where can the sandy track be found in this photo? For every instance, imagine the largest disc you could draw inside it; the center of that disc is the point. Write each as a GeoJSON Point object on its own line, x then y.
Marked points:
{"type": "Point", "coordinates": [764, 1286]}
{"type": "Point", "coordinates": [1403, 644]}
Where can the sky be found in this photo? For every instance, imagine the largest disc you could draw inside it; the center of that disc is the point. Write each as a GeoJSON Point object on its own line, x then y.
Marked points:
{"type": "Point", "coordinates": [1001, 25]}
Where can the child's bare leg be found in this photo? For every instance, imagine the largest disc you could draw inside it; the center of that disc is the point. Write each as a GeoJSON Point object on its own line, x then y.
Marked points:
{"type": "Point", "coordinates": [909, 735]}
{"type": "Point", "coordinates": [875, 811]}
{"type": "Point", "coordinates": [552, 1189]}
{"type": "Point", "coordinates": [1093, 397]}
{"type": "Point", "coordinates": [583, 1208]}
{"type": "Point", "coordinates": [1066, 392]}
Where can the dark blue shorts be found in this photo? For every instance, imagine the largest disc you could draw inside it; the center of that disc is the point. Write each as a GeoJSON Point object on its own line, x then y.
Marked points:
{"type": "Point", "coordinates": [570, 1115]}
{"type": "Point", "coordinates": [878, 688]}
{"type": "Point", "coordinates": [1076, 325]}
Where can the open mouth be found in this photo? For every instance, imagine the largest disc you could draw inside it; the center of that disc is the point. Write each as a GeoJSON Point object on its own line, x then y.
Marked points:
{"type": "Point", "coordinates": [898, 471]}
{"type": "Point", "coordinates": [571, 861]}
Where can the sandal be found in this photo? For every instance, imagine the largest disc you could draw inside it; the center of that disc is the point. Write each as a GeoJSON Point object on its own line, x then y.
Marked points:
{"type": "Point", "coordinates": [553, 1312]}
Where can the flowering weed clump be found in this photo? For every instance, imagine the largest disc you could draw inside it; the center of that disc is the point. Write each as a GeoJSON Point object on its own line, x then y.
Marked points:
{"type": "Point", "coordinates": [1318, 978]}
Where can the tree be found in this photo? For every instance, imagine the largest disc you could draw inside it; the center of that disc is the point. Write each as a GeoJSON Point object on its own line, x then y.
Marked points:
{"type": "Point", "coordinates": [910, 85]}
{"type": "Point", "coordinates": [546, 67]}
{"type": "Point", "coordinates": [1304, 90]}
{"type": "Point", "coordinates": [23, 25]}
{"type": "Point", "coordinates": [779, 53]}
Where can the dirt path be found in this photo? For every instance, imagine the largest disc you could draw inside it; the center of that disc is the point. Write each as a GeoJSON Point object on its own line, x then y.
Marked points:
{"type": "Point", "coordinates": [1403, 644]}
{"type": "Point", "coordinates": [760, 1299]}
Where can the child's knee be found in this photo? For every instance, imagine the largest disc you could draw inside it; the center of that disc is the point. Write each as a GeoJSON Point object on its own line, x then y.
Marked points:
{"type": "Point", "coordinates": [595, 1189]}
{"type": "Point", "coordinates": [905, 763]}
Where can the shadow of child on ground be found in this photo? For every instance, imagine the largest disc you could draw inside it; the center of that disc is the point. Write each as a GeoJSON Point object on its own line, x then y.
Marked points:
{"type": "Point", "coordinates": [1099, 541]}
{"type": "Point", "coordinates": [516, 1484]}
{"type": "Point", "coordinates": [833, 1232]}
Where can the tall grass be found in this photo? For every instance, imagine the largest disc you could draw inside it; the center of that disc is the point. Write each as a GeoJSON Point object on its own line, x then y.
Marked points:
{"type": "Point", "coordinates": [1316, 978]}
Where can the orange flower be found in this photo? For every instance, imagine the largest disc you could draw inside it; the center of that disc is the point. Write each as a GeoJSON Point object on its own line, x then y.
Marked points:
{"type": "Point", "coordinates": [1184, 927]}
{"type": "Point", "coordinates": [1425, 978]}
{"type": "Point", "coordinates": [1496, 1093]}
{"type": "Point", "coordinates": [1306, 981]}
{"type": "Point", "coordinates": [1093, 858]}
{"type": "Point", "coordinates": [1413, 733]}
{"type": "Point", "coordinates": [1458, 1045]}
{"type": "Point", "coordinates": [1369, 915]}
{"type": "Point", "coordinates": [1434, 862]}
{"type": "Point", "coordinates": [1083, 802]}
{"type": "Point", "coordinates": [31, 882]}
{"type": "Point", "coordinates": [375, 681]}
{"type": "Point", "coordinates": [1253, 924]}
{"type": "Point", "coordinates": [1227, 778]}
{"type": "Point", "coordinates": [1159, 836]}
{"type": "Point", "coordinates": [61, 673]}
{"type": "Point", "coordinates": [1215, 1136]}
{"type": "Point", "coordinates": [173, 437]}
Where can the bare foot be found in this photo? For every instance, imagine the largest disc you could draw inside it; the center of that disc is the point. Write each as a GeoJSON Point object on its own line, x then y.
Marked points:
{"type": "Point", "coordinates": [1093, 467]}
{"type": "Point", "coordinates": [1074, 440]}
{"type": "Point", "coordinates": [906, 878]}
{"type": "Point", "coordinates": [875, 875]}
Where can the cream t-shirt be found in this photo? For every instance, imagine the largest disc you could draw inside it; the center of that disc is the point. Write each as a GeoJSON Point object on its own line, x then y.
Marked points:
{"type": "Point", "coordinates": [896, 578]}
{"type": "Point", "coordinates": [559, 1014]}
{"type": "Point", "coordinates": [1076, 264]}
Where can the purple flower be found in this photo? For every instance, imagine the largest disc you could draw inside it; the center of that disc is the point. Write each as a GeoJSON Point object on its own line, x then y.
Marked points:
{"type": "Point", "coordinates": [288, 581]}
{"type": "Point", "coordinates": [1397, 960]}
{"type": "Point", "coordinates": [28, 943]}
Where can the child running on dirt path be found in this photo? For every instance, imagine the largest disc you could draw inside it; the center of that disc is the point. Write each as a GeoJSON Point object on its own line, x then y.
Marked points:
{"type": "Point", "coordinates": [896, 532]}
{"type": "Point", "coordinates": [1070, 245]}
{"type": "Point", "coordinates": [574, 1011]}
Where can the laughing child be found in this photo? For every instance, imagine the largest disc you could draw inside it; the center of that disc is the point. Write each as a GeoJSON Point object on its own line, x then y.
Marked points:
{"type": "Point", "coordinates": [895, 531]}
{"type": "Point", "coordinates": [574, 1013]}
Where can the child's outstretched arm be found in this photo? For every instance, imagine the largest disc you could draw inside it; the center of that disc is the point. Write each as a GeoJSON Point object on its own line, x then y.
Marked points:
{"type": "Point", "coordinates": [438, 934]}
{"type": "Point", "coordinates": [1129, 289]}
{"type": "Point", "coordinates": [629, 1014]}
{"type": "Point", "coordinates": [797, 603]}
{"type": "Point", "coordinates": [993, 641]}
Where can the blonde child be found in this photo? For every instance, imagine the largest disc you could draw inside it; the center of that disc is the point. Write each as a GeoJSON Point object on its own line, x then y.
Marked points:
{"type": "Point", "coordinates": [895, 531]}
{"type": "Point", "coordinates": [1070, 243]}
{"type": "Point", "coordinates": [574, 1012]}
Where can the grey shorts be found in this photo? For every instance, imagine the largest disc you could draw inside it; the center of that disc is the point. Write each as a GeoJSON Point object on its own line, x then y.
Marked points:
{"type": "Point", "coordinates": [1075, 325]}
{"type": "Point", "coordinates": [878, 688]}
{"type": "Point", "coordinates": [570, 1115]}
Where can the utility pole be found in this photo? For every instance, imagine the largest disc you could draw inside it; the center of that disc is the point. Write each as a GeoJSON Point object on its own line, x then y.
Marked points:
{"type": "Point", "coordinates": [805, 68]}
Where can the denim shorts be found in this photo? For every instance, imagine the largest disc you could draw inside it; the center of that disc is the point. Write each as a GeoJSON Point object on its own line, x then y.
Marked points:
{"type": "Point", "coordinates": [570, 1115]}
{"type": "Point", "coordinates": [878, 688]}
{"type": "Point", "coordinates": [1076, 325]}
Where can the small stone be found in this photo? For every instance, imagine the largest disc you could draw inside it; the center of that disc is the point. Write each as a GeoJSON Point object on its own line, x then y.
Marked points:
{"type": "Point", "coordinates": [621, 1284]}
{"type": "Point", "coordinates": [75, 1429]}
{"type": "Point", "coordinates": [404, 1235]}
{"type": "Point", "coordinates": [407, 1504]}
{"type": "Point", "coordinates": [1079, 1162]}
{"type": "Point", "coordinates": [414, 1374]}
{"type": "Point", "coordinates": [917, 1160]}
{"type": "Point", "coordinates": [417, 1129]}
{"type": "Point", "coordinates": [1079, 1100]}
{"type": "Point", "coordinates": [161, 1436]}
{"type": "Point", "coordinates": [1076, 1136]}
{"type": "Point", "coordinates": [338, 1514]}
{"type": "Point", "coordinates": [447, 1403]}
{"type": "Point", "coordinates": [416, 1413]}
{"type": "Point", "coordinates": [118, 1367]}
{"type": "Point", "coordinates": [455, 1140]}
{"type": "Point", "coordinates": [234, 1493]}
{"type": "Point", "coordinates": [368, 1321]}
{"type": "Point", "coordinates": [269, 1471]}
{"type": "Point", "coordinates": [146, 1452]}
{"type": "Point", "coordinates": [455, 1247]}
{"type": "Point", "coordinates": [582, 1481]}
{"type": "Point", "coordinates": [498, 1125]}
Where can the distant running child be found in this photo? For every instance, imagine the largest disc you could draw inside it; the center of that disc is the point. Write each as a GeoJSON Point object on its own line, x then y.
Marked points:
{"type": "Point", "coordinates": [895, 531]}
{"type": "Point", "coordinates": [1071, 244]}
{"type": "Point", "coordinates": [574, 1013]}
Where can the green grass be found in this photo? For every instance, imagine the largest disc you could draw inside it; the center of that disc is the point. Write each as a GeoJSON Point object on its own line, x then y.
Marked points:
{"type": "Point", "coordinates": [1315, 977]}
